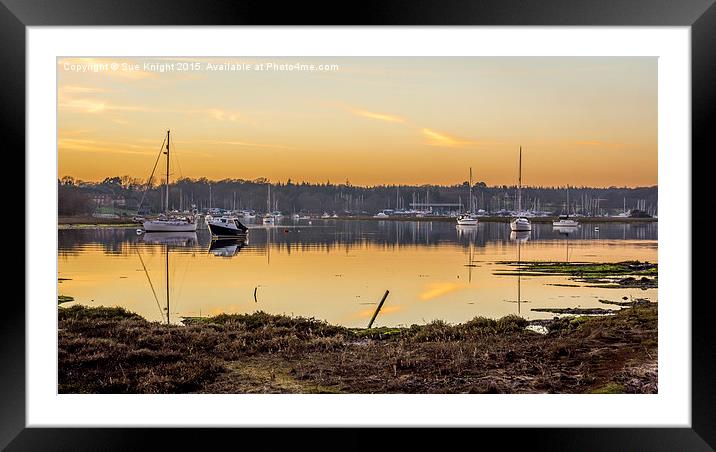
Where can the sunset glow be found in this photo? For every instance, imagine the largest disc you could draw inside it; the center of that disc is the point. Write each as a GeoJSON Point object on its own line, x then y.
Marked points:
{"type": "Point", "coordinates": [370, 120]}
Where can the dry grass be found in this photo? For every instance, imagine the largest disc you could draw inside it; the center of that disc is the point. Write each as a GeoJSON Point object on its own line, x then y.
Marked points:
{"type": "Point", "coordinates": [111, 350]}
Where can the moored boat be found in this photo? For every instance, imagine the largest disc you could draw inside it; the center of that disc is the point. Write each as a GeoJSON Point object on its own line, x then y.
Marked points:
{"type": "Point", "coordinates": [564, 221]}
{"type": "Point", "coordinates": [520, 224]}
{"type": "Point", "coordinates": [167, 222]}
{"type": "Point", "coordinates": [226, 226]}
{"type": "Point", "coordinates": [469, 218]}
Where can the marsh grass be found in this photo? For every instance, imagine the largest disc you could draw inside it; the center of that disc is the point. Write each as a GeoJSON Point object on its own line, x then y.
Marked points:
{"type": "Point", "coordinates": [112, 350]}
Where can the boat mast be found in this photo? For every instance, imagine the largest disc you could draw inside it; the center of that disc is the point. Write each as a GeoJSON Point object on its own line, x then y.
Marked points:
{"type": "Point", "coordinates": [166, 203]}
{"type": "Point", "coordinates": [567, 201]}
{"type": "Point", "coordinates": [519, 185]}
{"type": "Point", "coordinates": [268, 200]}
{"type": "Point", "coordinates": [470, 202]}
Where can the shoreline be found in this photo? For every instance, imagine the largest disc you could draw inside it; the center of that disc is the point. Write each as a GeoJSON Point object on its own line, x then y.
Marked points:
{"type": "Point", "coordinates": [110, 350]}
{"type": "Point", "coordinates": [69, 222]}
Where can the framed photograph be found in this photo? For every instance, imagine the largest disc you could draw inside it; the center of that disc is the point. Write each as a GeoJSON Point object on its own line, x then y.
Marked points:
{"type": "Point", "coordinates": [452, 215]}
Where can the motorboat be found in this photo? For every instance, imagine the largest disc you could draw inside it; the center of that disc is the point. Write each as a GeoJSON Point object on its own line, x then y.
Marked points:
{"type": "Point", "coordinates": [520, 225]}
{"type": "Point", "coordinates": [565, 222]}
{"type": "Point", "coordinates": [467, 220]}
{"type": "Point", "coordinates": [226, 226]}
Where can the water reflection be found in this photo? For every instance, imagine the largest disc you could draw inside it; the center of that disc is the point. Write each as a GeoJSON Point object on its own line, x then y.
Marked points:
{"type": "Point", "coordinates": [346, 235]}
{"type": "Point", "coordinates": [226, 247]}
{"type": "Point", "coordinates": [519, 237]}
{"type": "Point", "coordinates": [169, 240]}
{"type": "Point", "coordinates": [337, 270]}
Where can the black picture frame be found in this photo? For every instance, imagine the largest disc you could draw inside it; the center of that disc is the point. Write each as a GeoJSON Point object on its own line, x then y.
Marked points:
{"type": "Point", "coordinates": [16, 15]}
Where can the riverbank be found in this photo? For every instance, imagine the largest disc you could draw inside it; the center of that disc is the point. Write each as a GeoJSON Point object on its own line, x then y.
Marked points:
{"type": "Point", "coordinates": [66, 222]}
{"type": "Point", "coordinates": [110, 350]}
{"type": "Point", "coordinates": [501, 219]}
{"type": "Point", "coordinates": [608, 275]}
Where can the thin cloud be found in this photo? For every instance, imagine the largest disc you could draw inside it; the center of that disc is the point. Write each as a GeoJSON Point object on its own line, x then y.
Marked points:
{"type": "Point", "coordinates": [91, 146]}
{"type": "Point", "coordinates": [250, 144]}
{"type": "Point", "coordinates": [223, 115]}
{"type": "Point", "coordinates": [74, 89]}
{"type": "Point", "coordinates": [442, 139]}
{"type": "Point", "coordinates": [111, 147]}
{"type": "Point", "coordinates": [379, 116]}
{"type": "Point", "coordinates": [95, 106]}
{"type": "Point", "coordinates": [601, 144]}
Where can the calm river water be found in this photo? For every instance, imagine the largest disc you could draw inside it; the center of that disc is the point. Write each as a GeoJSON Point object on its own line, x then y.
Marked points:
{"type": "Point", "coordinates": [337, 270]}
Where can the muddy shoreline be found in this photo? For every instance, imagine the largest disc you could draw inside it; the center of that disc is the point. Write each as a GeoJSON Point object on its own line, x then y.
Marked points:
{"type": "Point", "coordinates": [109, 350]}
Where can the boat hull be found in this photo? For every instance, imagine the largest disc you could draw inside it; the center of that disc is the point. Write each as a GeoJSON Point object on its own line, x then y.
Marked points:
{"type": "Point", "coordinates": [169, 226]}
{"type": "Point", "coordinates": [223, 231]}
{"type": "Point", "coordinates": [467, 221]}
{"type": "Point", "coordinates": [565, 224]}
{"type": "Point", "coordinates": [520, 225]}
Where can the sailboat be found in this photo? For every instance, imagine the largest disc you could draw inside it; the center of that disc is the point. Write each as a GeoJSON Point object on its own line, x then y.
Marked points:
{"type": "Point", "coordinates": [520, 224]}
{"type": "Point", "coordinates": [166, 223]}
{"type": "Point", "coordinates": [268, 217]}
{"type": "Point", "coordinates": [468, 219]}
{"type": "Point", "coordinates": [564, 221]}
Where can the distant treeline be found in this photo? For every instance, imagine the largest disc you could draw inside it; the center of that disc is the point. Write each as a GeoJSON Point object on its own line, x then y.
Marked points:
{"type": "Point", "coordinates": [125, 194]}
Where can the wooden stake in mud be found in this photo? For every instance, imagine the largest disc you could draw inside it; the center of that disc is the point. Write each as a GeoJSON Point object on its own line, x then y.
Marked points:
{"type": "Point", "coordinates": [377, 310]}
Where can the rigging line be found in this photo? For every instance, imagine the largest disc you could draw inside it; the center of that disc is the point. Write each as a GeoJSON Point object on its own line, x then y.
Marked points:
{"type": "Point", "coordinates": [180, 289]}
{"type": "Point", "coordinates": [149, 181]}
{"type": "Point", "coordinates": [174, 147]}
{"type": "Point", "coordinates": [161, 313]}
{"type": "Point", "coordinates": [174, 288]}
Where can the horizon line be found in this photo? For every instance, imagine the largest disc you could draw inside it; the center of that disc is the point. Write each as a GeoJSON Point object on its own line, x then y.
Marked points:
{"type": "Point", "coordinates": [348, 184]}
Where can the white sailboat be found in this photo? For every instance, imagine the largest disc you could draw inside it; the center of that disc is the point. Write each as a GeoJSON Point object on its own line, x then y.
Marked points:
{"type": "Point", "coordinates": [469, 218]}
{"type": "Point", "coordinates": [268, 219]}
{"type": "Point", "coordinates": [564, 221]}
{"type": "Point", "coordinates": [167, 223]}
{"type": "Point", "coordinates": [520, 224]}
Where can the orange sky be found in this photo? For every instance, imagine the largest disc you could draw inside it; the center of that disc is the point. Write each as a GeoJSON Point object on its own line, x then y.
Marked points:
{"type": "Point", "coordinates": [370, 120]}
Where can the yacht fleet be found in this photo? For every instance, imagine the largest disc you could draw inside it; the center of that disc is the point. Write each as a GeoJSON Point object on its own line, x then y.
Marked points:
{"type": "Point", "coordinates": [223, 224]}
